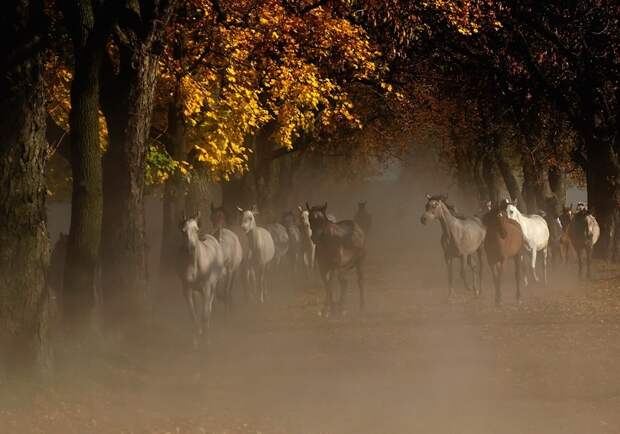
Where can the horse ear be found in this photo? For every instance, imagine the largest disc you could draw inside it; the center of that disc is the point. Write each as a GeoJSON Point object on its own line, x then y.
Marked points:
{"type": "Point", "coordinates": [325, 206]}
{"type": "Point", "coordinates": [428, 196]}
{"type": "Point", "coordinates": [197, 217]}
{"type": "Point", "coordinates": [307, 206]}
{"type": "Point", "coordinates": [516, 201]}
{"type": "Point", "coordinates": [254, 209]}
{"type": "Point", "coordinates": [489, 204]}
{"type": "Point", "coordinates": [239, 209]}
{"type": "Point", "coordinates": [300, 208]}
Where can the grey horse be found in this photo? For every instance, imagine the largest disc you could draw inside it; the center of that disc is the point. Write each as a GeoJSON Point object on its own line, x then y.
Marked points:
{"type": "Point", "coordinates": [461, 237]}
{"type": "Point", "coordinates": [233, 256]}
{"type": "Point", "coordinates": [279, 234]}
{"type": "Point", "coordinates": [261, 251]}
{"type": "Point", "coordinates": [201, 265]}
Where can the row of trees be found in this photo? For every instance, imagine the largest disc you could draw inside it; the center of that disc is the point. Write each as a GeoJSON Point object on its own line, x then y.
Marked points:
{"type": "Point", "coordinates": [156, 92]}
{"type": "Point", "coordinates": [518, 96]}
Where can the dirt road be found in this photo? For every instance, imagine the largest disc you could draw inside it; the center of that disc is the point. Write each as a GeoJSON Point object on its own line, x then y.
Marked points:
{"type": "Point", "coordinates": [411, 363]}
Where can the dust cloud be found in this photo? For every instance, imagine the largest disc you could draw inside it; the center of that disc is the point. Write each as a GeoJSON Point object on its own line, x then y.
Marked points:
{"type": "Point", "coordinates": [412, 362]}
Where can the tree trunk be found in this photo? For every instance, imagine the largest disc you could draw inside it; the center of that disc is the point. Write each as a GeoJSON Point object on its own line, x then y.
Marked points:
{"type": "Point", "coordinates": [529, 182]}
{"type": "Point", "coordinates": [127, 101]}
{"type": "Point", "coordinates": [490, 176]}
{"type": "Point", "coordinates": [603, 189]}
{"type": "Point", "coordinates": [557, 183]}
{"type": "Point", "coordinates": [174, 190]}
{"type": "Point", "coordinates": [86, 204]}
{"type": "Point", "coordinates": [24, 243]}
{"type": "Point", "coordinates": [512, 184]}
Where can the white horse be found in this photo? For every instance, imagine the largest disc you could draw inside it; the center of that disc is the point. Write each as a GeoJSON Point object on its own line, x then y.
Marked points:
{"type": "Point", "coordinates": [261, 251]}
{"type": "Point", "coordinates": [535, 236]}
{"type": "Point", "coordinates": [201, 265]}
{"type": "Point", "coordinates": [307, 245]}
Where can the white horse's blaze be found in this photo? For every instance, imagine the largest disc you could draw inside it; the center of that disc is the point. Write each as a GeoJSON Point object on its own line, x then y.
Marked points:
{"type": "Point", "coordinates": [535, 236]}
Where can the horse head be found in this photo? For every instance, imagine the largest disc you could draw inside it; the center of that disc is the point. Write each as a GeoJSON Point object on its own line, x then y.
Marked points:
{"type": "Point", "coordinates": [512, 212]}
{"type": "Point", "coordinates": [190, 228]}
{"type": "Point", "coordinates": [317, 217]}
{"type": "Point", "coordinates": [497, 219]}
{"type": "Point", "coordinates": [304, 216]}
{"type": "Point", "coordinates": [433, 209]}
{"type": "Point", "coordinates": [248, 221]}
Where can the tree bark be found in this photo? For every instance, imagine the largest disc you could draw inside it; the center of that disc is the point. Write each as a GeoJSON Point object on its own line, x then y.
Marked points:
{"type": "Point", "coordinates": [86, 204]}
{"type": "Point", "coordinates": [127, 102]}
{"type": "Point", "coordinates": [24, 244]}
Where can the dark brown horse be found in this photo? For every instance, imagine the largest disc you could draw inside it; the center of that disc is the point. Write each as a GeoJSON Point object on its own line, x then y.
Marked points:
{"type": "Point", "coordinates": [339, 247]}
{"type": "Point", "coordinates": [504, 240]}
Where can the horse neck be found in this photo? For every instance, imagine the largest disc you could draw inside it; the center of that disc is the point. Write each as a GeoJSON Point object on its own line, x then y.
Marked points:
{"type": "Point", "coordinates": [448, 221]}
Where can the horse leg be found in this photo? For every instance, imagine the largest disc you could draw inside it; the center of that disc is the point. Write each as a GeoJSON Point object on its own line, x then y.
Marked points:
{"type": "Point", "coordinates": [449, 266]}
{"type": "Point", "coordinates": [472, 267]}
{"type": "Point", "coordinates": [494, 273]}
{"type": "Point", "coordinates": [545, 252]}
{"type": "Point", "coordinates": [533, 264]}
{"type": "Point", "coordinates": [498, 285]}
{"type": "Point", "coordinates": [588, 261]}
{"type": "Point", "coordinates": [229, 289]}
{"type": "Point", "coordinates": [342, 279]}
{"type": "Point", "coordinates": [463, 274]}
{"type": "Point", "coordinates": [480, 266]}
{"type": "Point", "coordinates": [208, 296]}
{"type": "Point", "coordinates": [326, 277]}
{"type": "Point", "coordinates": [579, 264]}
{"type": "Point", "coordinates": [518, 260]}
{"type": "Point", "coordinates": [261, 282]}
{"type": "Point", "coordinates": [361, 283]}
{"type": "Point", "coordinates": [188, 294]}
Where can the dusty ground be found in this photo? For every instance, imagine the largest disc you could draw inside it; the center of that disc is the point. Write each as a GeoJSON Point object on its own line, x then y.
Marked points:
{"type": "Point", "coordinates": [411, 363]}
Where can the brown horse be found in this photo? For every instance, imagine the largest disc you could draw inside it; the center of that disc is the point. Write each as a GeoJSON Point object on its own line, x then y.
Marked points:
{"type": "Point", "coordinates": [504, 240]}
{"type": "Point", "coordinates": [584, 232]}
{"type": "Point", "coordinates": [339, 247]}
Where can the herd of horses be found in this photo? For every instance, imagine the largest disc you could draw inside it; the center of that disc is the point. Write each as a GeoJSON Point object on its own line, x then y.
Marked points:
{"type": "Point", "coordinates": [310, 238]}
{"type": "Point", "coordinates": [504, 233]}
{"type": "Point", "coordinates": [240, 248]}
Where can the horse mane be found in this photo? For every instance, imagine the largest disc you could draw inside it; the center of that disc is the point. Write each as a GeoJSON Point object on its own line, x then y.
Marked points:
{"type": "Point", "coordinates": [453, 211]}
{"type": "Point", "coordinates": [443, 199]}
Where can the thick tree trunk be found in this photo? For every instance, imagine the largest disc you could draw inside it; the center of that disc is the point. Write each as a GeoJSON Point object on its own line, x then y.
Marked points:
{"type": "Point", "coordinates": [86, 204]}
{"type": "Point", "coordinates": [24, 244]}
{"type": "Point", "coordinates": [529, 182]}
{"type": "Point", "coordinates": [490, 176]}
{"type": "Point", "coordinates": [127, 101]}
{"type": "Point", "coordinates": [603, 189]}
{"type": "Point", "coordinates": [512, 184]}
{"type": "Point", "coordinates": [557, 183]}
{"type": "Point", "coordinates": [174, 190]}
